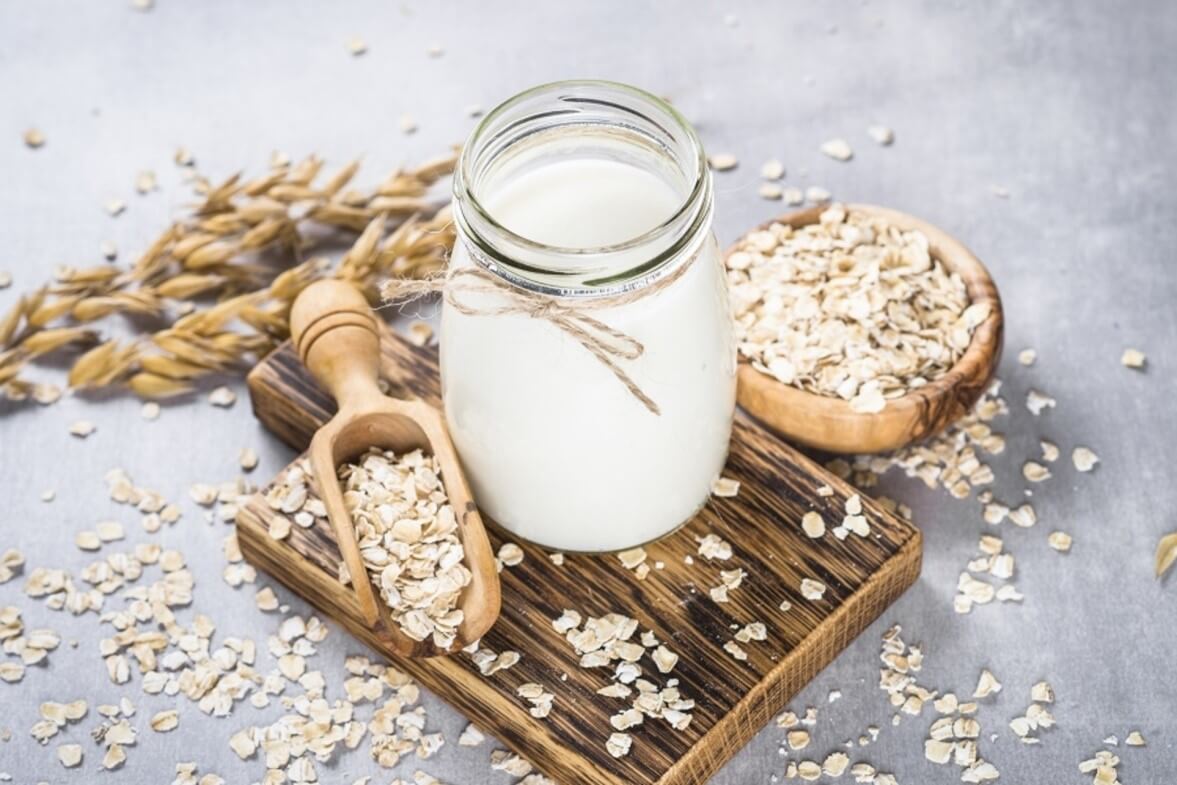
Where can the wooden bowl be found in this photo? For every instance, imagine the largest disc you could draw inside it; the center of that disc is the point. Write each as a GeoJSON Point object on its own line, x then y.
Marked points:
{"type": "Point", "coordinates": [829, 423]}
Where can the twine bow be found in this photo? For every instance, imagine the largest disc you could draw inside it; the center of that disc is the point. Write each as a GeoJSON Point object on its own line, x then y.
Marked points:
{"type": "Point", "coordinates": [605, 343]}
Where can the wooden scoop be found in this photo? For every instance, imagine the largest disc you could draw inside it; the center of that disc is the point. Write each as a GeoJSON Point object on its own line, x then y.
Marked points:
{"type": "Point", "coordinates": [334, 332]}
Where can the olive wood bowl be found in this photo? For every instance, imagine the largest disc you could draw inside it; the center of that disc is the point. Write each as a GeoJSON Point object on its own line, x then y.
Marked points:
{"type": "Point", "coordinates": [829, 423]}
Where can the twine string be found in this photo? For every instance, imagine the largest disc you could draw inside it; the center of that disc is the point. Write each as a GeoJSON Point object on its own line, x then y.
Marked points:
{"type": "Point", "coordinates": [605, 343]}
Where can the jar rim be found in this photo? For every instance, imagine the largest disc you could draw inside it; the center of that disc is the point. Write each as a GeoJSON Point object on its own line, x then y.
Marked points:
{"type": "Point", "coordinates": [693, 211]}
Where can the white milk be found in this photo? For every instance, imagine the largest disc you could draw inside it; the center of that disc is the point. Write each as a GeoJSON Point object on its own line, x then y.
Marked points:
{"type": "Point", "coordinates": [556, 448]}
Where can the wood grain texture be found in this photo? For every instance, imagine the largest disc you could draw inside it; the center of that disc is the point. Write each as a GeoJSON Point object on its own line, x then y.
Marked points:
{"type": "Point", "coordinates": [734, 699]}
{"type": "Point", "coordinates": [829, 423]}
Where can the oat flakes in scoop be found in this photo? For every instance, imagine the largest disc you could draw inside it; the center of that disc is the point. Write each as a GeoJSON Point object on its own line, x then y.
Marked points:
{"type": "Point", "coordinates": [408, 538]}
{"type": "Point", "coordinates": [849, 307]}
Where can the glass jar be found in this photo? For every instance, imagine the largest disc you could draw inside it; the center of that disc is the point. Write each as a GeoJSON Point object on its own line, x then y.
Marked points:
{"type": "Point", "coordinates": [588, 199]}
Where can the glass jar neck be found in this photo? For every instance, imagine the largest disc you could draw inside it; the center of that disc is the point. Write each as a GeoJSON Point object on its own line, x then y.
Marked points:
{"type": "Point", "coordinates": [583, 120]}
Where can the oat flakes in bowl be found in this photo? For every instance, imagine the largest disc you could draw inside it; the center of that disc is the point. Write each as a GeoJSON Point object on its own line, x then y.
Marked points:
{"type": "Point", "coordinates": [860, 328]}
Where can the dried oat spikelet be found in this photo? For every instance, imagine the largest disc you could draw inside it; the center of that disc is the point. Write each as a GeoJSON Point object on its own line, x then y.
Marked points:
{"type": "Point", "coordinates": [1166, 553]}
{"type": "Point", "coordinates": [216, 251]}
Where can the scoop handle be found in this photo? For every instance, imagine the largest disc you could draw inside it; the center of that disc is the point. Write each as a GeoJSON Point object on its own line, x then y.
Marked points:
{"type": "Point", "coordinates": [334, 333]}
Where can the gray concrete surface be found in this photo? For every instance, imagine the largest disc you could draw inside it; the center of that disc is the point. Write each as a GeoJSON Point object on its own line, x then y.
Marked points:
{"type": "Point", "coordinates": [1068, 105]}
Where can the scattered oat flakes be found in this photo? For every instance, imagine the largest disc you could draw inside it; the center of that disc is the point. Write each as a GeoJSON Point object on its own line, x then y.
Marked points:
{"type": "Point", "coordinates": [664, 659]}
{"type": "Point", "coordinates": [1042, 692]}
{"type": "Point", "coordinates": [510, 554]}
{"type": "Point", "coordinates": [1036, 717]}
{"type": "Point", "coordinates": [1133, 358]}
{"type": "Point", "coordinates": [114, 758]}
{"type": "Point", "coordinates": [33, 138]}
{"type": "Point", "coordinates": [471, 737]}
{"type": "Point", "coordinates": [1023, 516]}
{"type": "Point", "coordinates": [1103, 766]}
{"type": "Point", "coordinates": [1135, 739]}
{"type": "Point", "coordinates": [540, 699]}
{"type": "Point", "coordinates": [490, 663]}
{"type": "Point", "coordinates": [145, 182]}
{"type": "Point", "coordinates": [811, 589]}
{"type": "Point", "coordinates": [11, 562]}
{"type": "Point", "coordinates": [82, 428]}
{"type": "Point", "coordinates": [632, 558]}
{"type": "Point", "coordinates": [1060, 541]}
{"type": "Point", "coordinates": [44, 394]}
{"type": "Point", "coordinates": [247, 459]}
{"type": "Point", "coordinates": [772, 169]}
{"type": "Point", "coordinates": [109, 531]}
{"type": "Point", "coordinates": [987, 685]}
{"type": "Point", "coordinates": [87, 541]}
{"type": "Point", "coordinates": [1027, 356]}
{"type": "Point", "coordinates": [266, 599]}
{"type": "Point", "coordinates": [817, 195]}
{"type": "Point", "coordinates": [223, 397]}
{"type": "Point", "coordinates": [165, 721]}
{"type": "Point", "coordinates": [723, 162]}
{"type": "Point", "coordinates": [116, 207]}
{"type": "Point", "coordinates": [357, 47]}
{"type": "Point", "coordinates": [70, 755]}
{"type": "Point", "coordinates": [835, 764]}
{"type": "Point", "coordinates": [150, 411]}
{"type": "Point", "coordinates": [1084, 459]}
{"type": "Point", "coordinates": [712, 546]}
{"type": "Point", "coordinates": [408, 125]}
{"type": "Point", "coordinates": [1035, 472]}
{"type": "Point", "coordinates": [735, 650]}
{"type": "Point", "coordinates": [970, 592]}
{"type": "Point", "coordinates": [995, 512]}
{"type": "Point", "coordinates": [838, 149]}
{"type": "Point", "coordinates": [797, 739]}
{"type": "Point", "coordinates": [725, 487]}
{"type": "Point", "coordinates": [1036, 402]}
{"type": "Point", "coordinates": [881, 134]}
{"type": "Point", "coordinates": [812, 524]}
{"type": "Point", "coordinates": [770, 191]}
{"type": "Point", "coordinates": [619, 744]}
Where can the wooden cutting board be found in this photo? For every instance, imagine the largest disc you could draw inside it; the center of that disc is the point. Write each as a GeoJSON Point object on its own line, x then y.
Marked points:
{"type": "Point", "coordinates": [734, 699]}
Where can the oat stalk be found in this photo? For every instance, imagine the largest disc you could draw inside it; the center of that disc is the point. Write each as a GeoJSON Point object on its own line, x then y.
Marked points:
{"type": "Point", "coordinates": [215, 288]}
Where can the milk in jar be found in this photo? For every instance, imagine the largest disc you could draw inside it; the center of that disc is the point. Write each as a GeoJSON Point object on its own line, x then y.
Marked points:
{"type": "Point", "coordinates": [594, 197]}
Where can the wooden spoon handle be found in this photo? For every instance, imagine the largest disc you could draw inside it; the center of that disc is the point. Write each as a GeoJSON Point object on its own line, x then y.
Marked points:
{"type": "Point", "coordinates": [334, 332]}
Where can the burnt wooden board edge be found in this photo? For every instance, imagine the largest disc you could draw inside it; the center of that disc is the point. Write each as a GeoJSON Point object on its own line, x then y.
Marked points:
{"type": "Point", "coordinates": [823, 644]}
